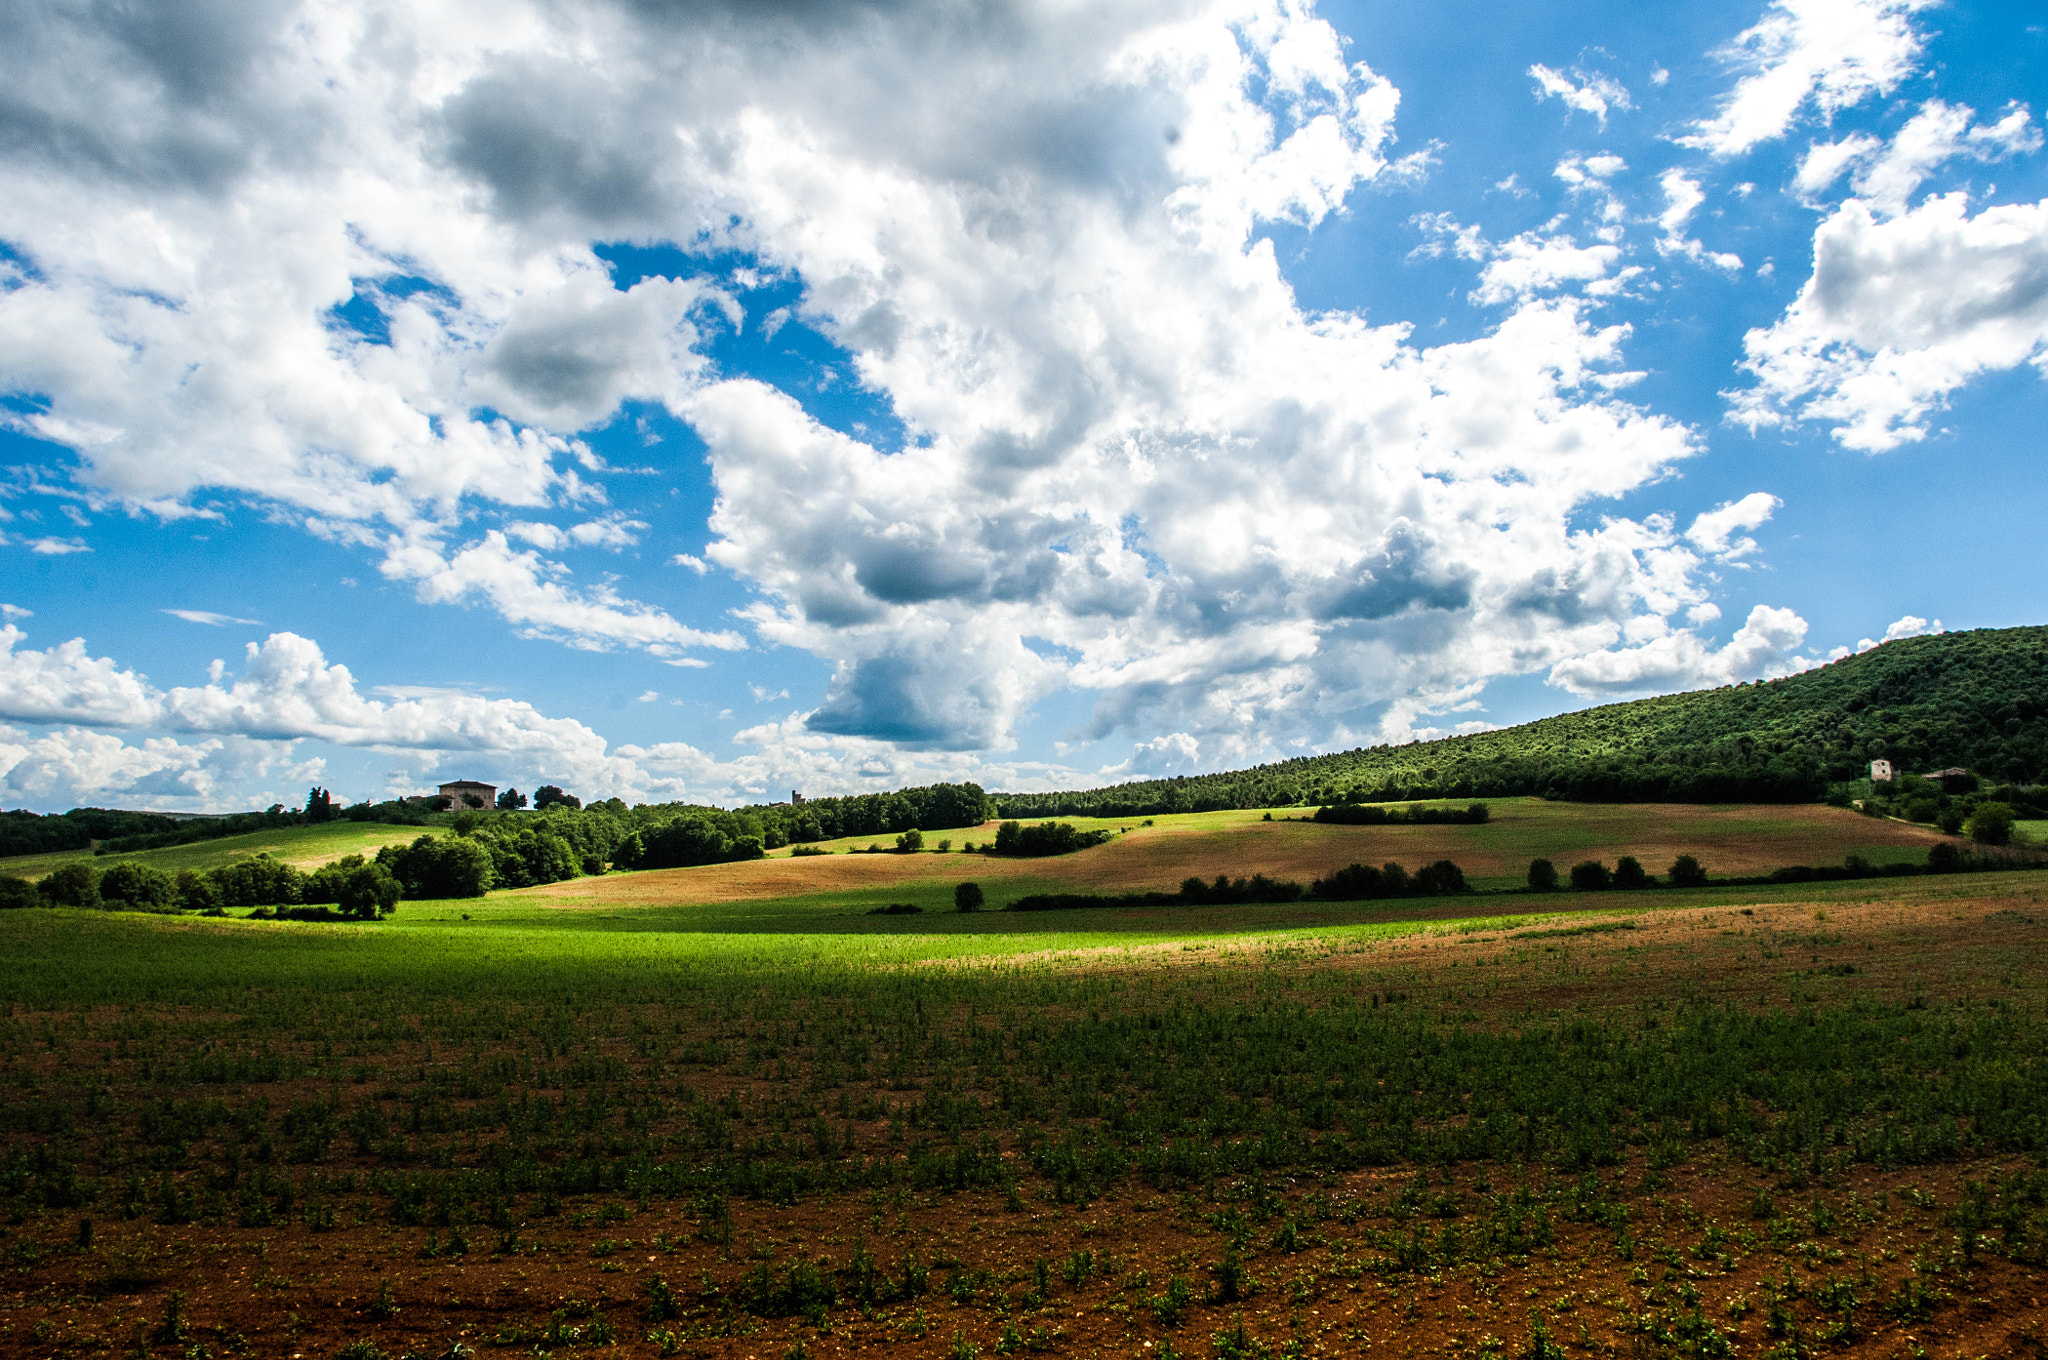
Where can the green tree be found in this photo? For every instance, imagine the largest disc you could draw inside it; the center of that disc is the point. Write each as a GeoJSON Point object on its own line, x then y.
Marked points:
{"type": "Point", "coordinates": [511, 800]}
{"type": "Point", "coordinates": [911, 841]}
{"type": "Point", "coordinates": [549, 795]}
{"type": "Point", "coordinates": [1590, 876]}
{"type": "Point", "coordinates": [195, 891]}
{"type": "Point", "coordinates": [1542, 876]}
{"type": "Point", "coordinates": [1687, 872]}
{"type": "Point", "coordinates": [137, 887]}
{"type": "Point", "coordinates": [1628, 873]}
{"type": "Point", "coordinates": [18, 892]}
{"type": "Point", "coordinates": [1990, 824]}
{"type": "Point", "coordinates": [319, 807]}
{"type": "Point", "coordinates": [967, 897]}
{"type": "Point", "coordinates": [75, 884]}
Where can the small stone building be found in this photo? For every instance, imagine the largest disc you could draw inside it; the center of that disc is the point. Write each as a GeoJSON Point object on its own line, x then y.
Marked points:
{"type": "Point", "coordinates": [461, 791]}
{"type": "Point", "coordinates": [1880, 771]}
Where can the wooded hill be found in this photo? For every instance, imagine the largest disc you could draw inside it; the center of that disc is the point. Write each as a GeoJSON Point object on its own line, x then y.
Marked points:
{"type": "Point", "coordinates": [1978, 700]}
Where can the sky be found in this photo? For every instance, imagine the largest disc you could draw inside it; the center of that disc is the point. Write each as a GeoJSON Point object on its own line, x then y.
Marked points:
{"type": "Point", "coordinates": [700, 402]}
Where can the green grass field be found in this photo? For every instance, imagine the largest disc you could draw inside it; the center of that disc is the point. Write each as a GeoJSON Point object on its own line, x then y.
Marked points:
{"type": "Point", "coordinates": [305, 847]}
{"type": "Point", "coordinates": [779, 1126]}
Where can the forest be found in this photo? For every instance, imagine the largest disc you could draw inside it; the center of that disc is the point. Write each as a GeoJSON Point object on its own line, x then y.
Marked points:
{"type": "Point", "coordinates": [1976, 700]}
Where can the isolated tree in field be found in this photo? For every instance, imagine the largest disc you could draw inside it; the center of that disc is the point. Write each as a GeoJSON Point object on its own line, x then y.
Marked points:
{"type": "Point", "coordinates": [1687, 872]}
{"type": "Point", "coordinates": [1590, 876]}
{"type": "Point", "coordinates": [967, 897]}
{"type": "Point", "coordinates": [72, 885]}
{"type": "Point", "coordinates": [911, 841]}
{"type": "Point", "coordinates": [1628, 873]}
{"type": "Point", "coordinates": [319, 807]}
{"type": "Point", "coordinates": [1990, 824]}
{"type": "Point", "coordinates": [18, 892]}
{"type": "Point", "coordinates": [1542, 876]}
{"type": "Point", "coordinates": [511, 800]}
{"type": "Point", "coordinates": [1942, 858]}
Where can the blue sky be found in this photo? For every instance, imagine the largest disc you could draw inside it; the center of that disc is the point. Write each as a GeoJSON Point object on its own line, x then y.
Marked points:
{"type": "Point", "coordinates": [702, 407]}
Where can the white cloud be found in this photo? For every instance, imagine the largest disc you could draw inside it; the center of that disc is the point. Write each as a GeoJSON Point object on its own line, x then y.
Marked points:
{"type": "Point", "coordinates": [1825, 162]}
{"type": "Point", "coordinates": [1832, 54]}
{"type": "Point", "coordinates": [1719, 532]}
{"type": "Point", "coordinates": [1935, 135]}
{"type": "Point", "coordinates": [1762, 648]}
{"type": "Point", "coordinates": [64, 684]}
{"type": "Point", "coordinates": [1912, 625]}
{"type": "Point", "coordinates": [1587, 92]}
{"type": "Point", "coordinates": [696, 564]}
{"type": "Point", "coordinates": [536, 595]}
{"type": "Point", "coordinates": [207, 616]}
{"type": "Point", "coordinates": [1137, 466]}
{"type": "Point", "coordinates": [1898, 314]}
{"type": "Point", "coordinates": [1682, 198]}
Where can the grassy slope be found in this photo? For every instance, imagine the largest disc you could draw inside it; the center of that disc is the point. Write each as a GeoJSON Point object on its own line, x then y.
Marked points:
{"type": "Point", "coordinates": [304, 846]}
{"type": "Point", "coordinates": [1977, 699]}
{"type": "Point", "coordinates": [1728, 839]}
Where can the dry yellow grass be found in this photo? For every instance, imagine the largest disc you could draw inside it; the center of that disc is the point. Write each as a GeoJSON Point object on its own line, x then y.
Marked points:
{"type": "Point", "coordinates": [1730, 840]}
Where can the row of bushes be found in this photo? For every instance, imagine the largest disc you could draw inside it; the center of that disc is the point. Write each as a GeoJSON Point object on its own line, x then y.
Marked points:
{"type": "Point", "coordinates": [358, 889]}
{"type": "Point", "coordinates": [1417, 814]}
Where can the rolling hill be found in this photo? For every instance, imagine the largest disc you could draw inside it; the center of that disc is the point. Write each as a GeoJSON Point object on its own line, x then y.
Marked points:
{"type": "Point", "coordinates": [1976, 699]}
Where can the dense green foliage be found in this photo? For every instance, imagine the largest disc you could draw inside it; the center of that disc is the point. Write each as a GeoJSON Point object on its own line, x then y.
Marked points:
{"type": "Point", "coordinates": [1045, 838]}
{"type": "Point", "coordinates": [1378, 814]}
{"type": "Point", "coordinates": [1976, 700]}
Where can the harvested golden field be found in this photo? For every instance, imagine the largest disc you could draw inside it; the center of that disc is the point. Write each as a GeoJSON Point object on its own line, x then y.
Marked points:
{"type": "Point", "coordinates": [1734, 840]}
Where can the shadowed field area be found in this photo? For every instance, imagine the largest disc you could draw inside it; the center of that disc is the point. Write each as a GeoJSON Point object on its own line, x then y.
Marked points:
{"type": "Point", "coordinates": [1728, 839]}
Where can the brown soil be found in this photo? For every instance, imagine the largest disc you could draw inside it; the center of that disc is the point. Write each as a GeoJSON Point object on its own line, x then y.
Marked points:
{"type": "Point", "coordinates": [290, 1293]}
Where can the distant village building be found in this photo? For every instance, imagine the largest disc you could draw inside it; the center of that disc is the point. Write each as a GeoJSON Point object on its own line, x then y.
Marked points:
{"type": "Point", "coordinates": [795, 799]}
{"type": "Point", "coordinates": [1955, 779]}
{"type": "Point", "coordinates": [1880, 771]}
{"type": "Point", "coordinates": [461, 790]}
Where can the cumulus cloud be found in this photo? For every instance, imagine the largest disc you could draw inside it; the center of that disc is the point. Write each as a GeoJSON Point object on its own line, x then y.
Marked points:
{"type": "Point", "coordinates": [1761, 649]}
{"type": "Point", "coordinates": [1586, 92]}
{"type": "Point", "coordinates": [1912, 625]}
{"type": "Point", "coordinates": [1831, 54]}
{"type": "Point", "coordinates": [341, 262]}
{"type": "Point", "coordinates": [1899, 313]}
{"type": "Point", "coordinates": [286, 692]}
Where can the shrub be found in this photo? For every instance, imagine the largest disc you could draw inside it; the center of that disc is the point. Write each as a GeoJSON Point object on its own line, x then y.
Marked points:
{"type": "Point", "coordinates": [1441, 879]}
{"type": "Point", "coordinates": [137, 887]}
{"type": "Point", "coordinates": [1628, 873]}
{"type": "Point", "coordinates": [1687, 872]}
{"type": "Point", "coordinates": [1542, 876]}
{"type": "Point", "coordinates": [967, 897]}
{"type": "Point", "coordinates": [195, 891]}
{"type": "Point", "coordinates": [910, 842]}
{"type": "Point", "coordinates": [1942, 858]}
{"type": "Point", "coordinates": [18, 892]}
{"type": "Point", "coordinates": [1590, 876]}
{"type": "Point", "coordinates": [1046, 838]}
{"type": "Point", "coordinates": [72, 885]}
{"type": "Point", "coordinates": [1990, 824]}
